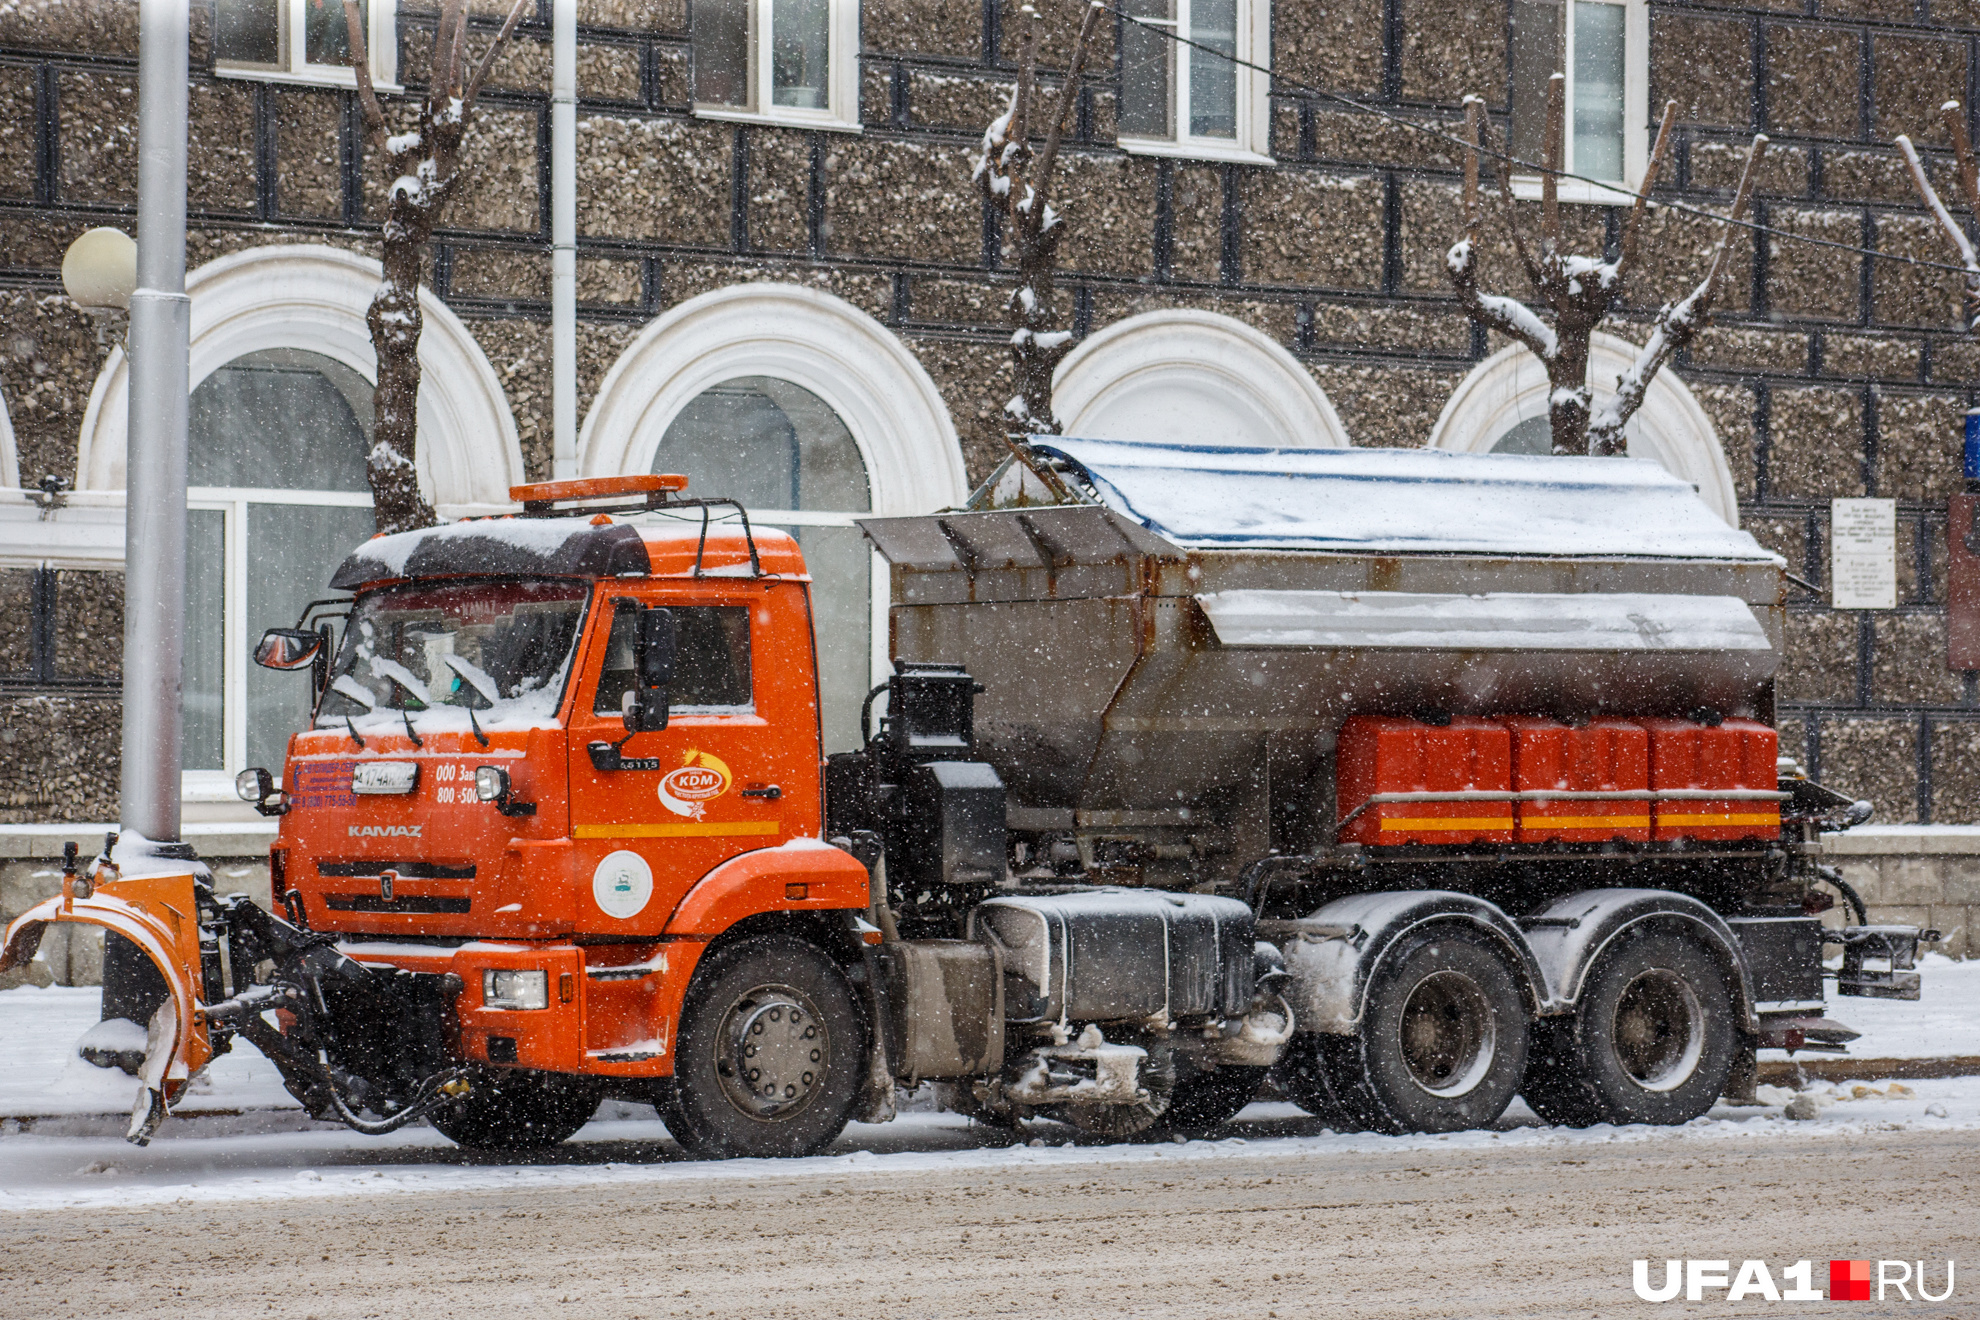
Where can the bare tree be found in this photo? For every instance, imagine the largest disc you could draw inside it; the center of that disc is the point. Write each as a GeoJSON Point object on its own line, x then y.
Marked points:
{"type": "Point", "coordinates": [1969, 192]}
{"type": "Point", "coordinates": [1579, 292]}
{"type": "Point", "coordinates": [424, 168]}
{"type": "Point", "coordinates": [1019, 184]}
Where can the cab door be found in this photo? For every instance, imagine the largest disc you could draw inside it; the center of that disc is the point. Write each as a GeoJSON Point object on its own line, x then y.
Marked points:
{"type": "Point", "coordinates": [653, 813]}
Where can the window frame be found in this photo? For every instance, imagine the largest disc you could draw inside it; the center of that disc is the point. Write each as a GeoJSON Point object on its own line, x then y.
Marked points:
{"type": "Point", "coordinates": [842, 51]}
{"type": "Point", "coordinates": [1636, 114]}
{"type": "Point", "coordinates": [233, 503]}
{"type": "Point", "coordinates": [381, 44]}
{"type": "Point", "coordinates": [1251, 144]}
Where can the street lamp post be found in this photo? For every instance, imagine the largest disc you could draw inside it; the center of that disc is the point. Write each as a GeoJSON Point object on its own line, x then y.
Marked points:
{"type": "Point", "coordinates": [103, 272]}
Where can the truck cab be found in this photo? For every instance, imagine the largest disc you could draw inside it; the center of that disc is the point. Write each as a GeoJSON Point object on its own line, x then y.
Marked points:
{"type": "Point", "coordinates": [554, 756]}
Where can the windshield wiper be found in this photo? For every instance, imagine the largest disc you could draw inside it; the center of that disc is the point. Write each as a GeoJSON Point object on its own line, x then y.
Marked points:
{"type": "Point", "coordinates": [478, 684]}
{"type": "Point", "coordinates": [405, 711]}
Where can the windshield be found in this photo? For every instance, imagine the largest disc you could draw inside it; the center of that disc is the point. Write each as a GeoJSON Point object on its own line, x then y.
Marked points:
{"type": "Point", "coordinates": [503, 648]}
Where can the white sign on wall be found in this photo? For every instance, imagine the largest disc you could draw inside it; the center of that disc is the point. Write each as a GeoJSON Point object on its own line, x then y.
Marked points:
{"type": "Point", "coordinates": [1863, 554]}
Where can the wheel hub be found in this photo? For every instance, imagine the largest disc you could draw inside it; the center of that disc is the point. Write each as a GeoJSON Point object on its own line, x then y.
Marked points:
{"type": "Point", "coordinates": [772, 1052]}
{"type": "Point", "coordinates": [1449, 1034]}
{"type": "Point", "coordinates": [1659, 1030]}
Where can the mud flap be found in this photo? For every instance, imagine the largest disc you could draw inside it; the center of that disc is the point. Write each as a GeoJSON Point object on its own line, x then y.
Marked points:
{"type": "Point", "coordinates": [159, 914]}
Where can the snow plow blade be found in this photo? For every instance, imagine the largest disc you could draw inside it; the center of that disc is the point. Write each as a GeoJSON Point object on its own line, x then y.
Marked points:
{"type": "Point", "coordinates": [159, 914]}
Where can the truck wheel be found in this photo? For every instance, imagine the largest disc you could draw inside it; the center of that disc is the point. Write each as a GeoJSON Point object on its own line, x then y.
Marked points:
{"type": "Point", "coordinates": [1205, 1101]}
{"type": "Point", "coordinates": [1443, 1039]}
{"type": "Point", "coordinates": [517, 1109]}
{"type": "Point", "coordinates": [1654, 1040]}
{"type": "Point", "coordinates": [770, 1055]}
{"type": "Point", "coordinates": [1305, 1072]}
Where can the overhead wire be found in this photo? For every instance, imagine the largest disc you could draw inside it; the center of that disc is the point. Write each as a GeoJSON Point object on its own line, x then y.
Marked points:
{"type": "Point", "coordinates": [1434, 131]}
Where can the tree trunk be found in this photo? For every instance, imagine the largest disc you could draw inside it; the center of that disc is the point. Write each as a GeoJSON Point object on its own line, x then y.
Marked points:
{"type": "Point", "coordinates": [394, 319]}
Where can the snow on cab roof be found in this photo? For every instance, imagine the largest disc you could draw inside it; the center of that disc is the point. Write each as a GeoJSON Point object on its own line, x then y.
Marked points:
{"type": "Point", "coordinates": [1404, 501]}
{"type": "Point", "coordinates": [565, 547]}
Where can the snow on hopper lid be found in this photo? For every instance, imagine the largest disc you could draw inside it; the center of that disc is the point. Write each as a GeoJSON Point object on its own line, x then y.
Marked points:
{"type": "Point", "coordinates": [1404, 500]}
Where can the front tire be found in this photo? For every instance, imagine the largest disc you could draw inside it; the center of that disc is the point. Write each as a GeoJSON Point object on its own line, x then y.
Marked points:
{"type": "Point", "coordinates": [517, 1109]}
{"type": "Point", "coordinates": [1653, 1041]}
{"type": "Point", "coordinates": [1443, 1039]}
{"type": "Point", "coordinates": [771, 1045]}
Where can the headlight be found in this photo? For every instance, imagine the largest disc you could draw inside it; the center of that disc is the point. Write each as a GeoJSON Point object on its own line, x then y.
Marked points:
{"type": "Point", "coordinates": [253, 785]}
{"type": "Point", "coordinates": [491, 783]}
{"type": "Point", "coordinates": [506, 989]}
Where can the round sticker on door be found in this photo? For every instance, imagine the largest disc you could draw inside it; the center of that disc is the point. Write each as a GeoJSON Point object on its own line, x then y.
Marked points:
{"type": "Point", "coordinates": [622, 884]}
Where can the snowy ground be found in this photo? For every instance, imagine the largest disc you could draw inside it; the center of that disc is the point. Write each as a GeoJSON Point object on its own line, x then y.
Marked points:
{"type": "Point", "coordinates": [240, 1137]}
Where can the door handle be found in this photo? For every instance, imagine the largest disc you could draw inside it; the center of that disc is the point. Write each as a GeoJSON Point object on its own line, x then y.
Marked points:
{"type": "Point", "coordinates": [773, 792]}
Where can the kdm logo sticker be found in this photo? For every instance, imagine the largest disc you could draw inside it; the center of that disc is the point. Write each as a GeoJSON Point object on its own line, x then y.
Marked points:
{"type": "Point", "coordinates": [699, 779]}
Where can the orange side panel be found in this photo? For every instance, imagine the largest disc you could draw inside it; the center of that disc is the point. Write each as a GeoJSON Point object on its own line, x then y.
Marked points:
{"type": "Point", "coordinates": [1734, 754]}
{"type": "Point", "coordinates": [1383, 754]}
{"type": "Point", "coordinates": [802, 876]}
{"type": "Point", "coordinates": [1603, 756]}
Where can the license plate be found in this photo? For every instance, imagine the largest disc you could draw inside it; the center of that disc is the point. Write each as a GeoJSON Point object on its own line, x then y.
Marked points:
{"type": "Point", "coordinates": [384, 776]}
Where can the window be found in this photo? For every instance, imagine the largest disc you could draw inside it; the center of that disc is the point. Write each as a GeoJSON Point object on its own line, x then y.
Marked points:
{"type": "Point", "coordinates": [791, 61]}
{"type": "Point", "coordinates": [500, 648]}
{"type": "Point", "coordinates": [302, 40]}
{"type": "Point", "coordinates": [1601, 46]}
{"type": "Point", "coordinates": [783, 452]}
{"type": "Point", "coordinates": [1182, 100]}
{"type": "Point", "coordinates": [711, 661]}
{"type": "Point", "coordinates": [277, 497]}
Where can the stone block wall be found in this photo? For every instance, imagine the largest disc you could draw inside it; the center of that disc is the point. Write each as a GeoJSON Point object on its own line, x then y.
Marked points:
{"type": "Point", "coordinates": [1927, 877]}
{"type": "Point", "coordinates": [31, 870]}
{"type": "Point", "coordinates": [1827, 374]}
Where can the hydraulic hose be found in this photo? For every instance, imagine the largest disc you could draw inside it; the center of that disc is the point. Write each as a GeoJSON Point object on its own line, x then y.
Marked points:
{"type": "Point", "coordinates": [416, 1110]}
{"type": "Point", "coordinates": [1848, 891]}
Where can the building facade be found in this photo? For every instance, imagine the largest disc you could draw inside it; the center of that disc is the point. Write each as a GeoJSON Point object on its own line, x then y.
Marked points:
{"type": "Point", "coordinates": [788, 286]}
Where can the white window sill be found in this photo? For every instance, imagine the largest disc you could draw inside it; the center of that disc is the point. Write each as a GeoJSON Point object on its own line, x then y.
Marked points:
{"type": "Point", "coordinates": [781, 117]}
{"type": "Point", "coordinates": [1194, 149]}
{"type": "Point", "coordinates": [1526, 187]}
{"type": "Point", "coordinates": [311, 77]}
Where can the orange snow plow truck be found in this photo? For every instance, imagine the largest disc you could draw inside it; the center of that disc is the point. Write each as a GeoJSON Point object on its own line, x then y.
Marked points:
{"type": "Point", "coordinates": [1151, 812]}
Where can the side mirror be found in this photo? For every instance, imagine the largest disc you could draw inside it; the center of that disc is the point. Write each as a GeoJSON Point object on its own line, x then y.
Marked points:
{"type": "Point", "coordinates": [288, 648]}
{"type": "Point", "coordinates": [653, 669]}
{"type": "Point", "coordinates": [654, 657]}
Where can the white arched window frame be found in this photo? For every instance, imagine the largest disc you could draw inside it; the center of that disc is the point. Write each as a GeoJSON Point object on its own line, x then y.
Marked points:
{"type": "Point", "coordinates": [314, 299]}
{"type": "Point", "coordinates": [1671, 428]}
{"type": "Point", "coordinates": [1183, 376]}
{"type": "Point", "coordinates": [818, 342]}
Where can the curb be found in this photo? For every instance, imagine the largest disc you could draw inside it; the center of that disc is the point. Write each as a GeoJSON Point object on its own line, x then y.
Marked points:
{"type": "Point", "coordinates": [1777, 1072]}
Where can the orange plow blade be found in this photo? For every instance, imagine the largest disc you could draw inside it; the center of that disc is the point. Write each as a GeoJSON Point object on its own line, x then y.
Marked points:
{"type": "Point", "coordinates": [159, 914]}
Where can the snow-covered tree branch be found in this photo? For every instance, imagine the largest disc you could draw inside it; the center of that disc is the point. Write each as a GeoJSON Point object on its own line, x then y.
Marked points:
{"type": "Point", "coordinates": [1969, 187]}
{"type": "Point", "coordinates": [1676, 325]}
{"type": "Point", "coordinates": [1574, 294]}
{"type": "Point", "coordinates": [1018, 183]}
{"type": "Point", "coordinates": [424, 167]}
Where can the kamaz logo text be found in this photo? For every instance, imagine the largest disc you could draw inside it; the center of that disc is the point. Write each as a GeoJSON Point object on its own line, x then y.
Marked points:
{"type": "Point", "coordinates": [385, 831]}
{"type": "Point", "coordinates": [1849, 1281]}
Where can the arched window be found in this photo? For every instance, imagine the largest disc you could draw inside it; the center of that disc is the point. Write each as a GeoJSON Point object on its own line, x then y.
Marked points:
{"type": "Point", "coordinates": [812, 414]}
{"type": "Point", "coordinates": [1501, 407]}
{"type": "Point", "coordinates": [281, 368]}
{"type": "Point", "coordinates": [276, 497]}
{"type": "Point", "coordinates": [781, 450]}
{"type": "Point", "coordinates": [1184, 376]}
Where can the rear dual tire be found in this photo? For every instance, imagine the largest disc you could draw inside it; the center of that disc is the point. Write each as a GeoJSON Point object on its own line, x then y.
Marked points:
{"type": "Point", "coordinates": [1652, 1041]}
{"type": "Point", "coordinates": [1442, 1045]}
